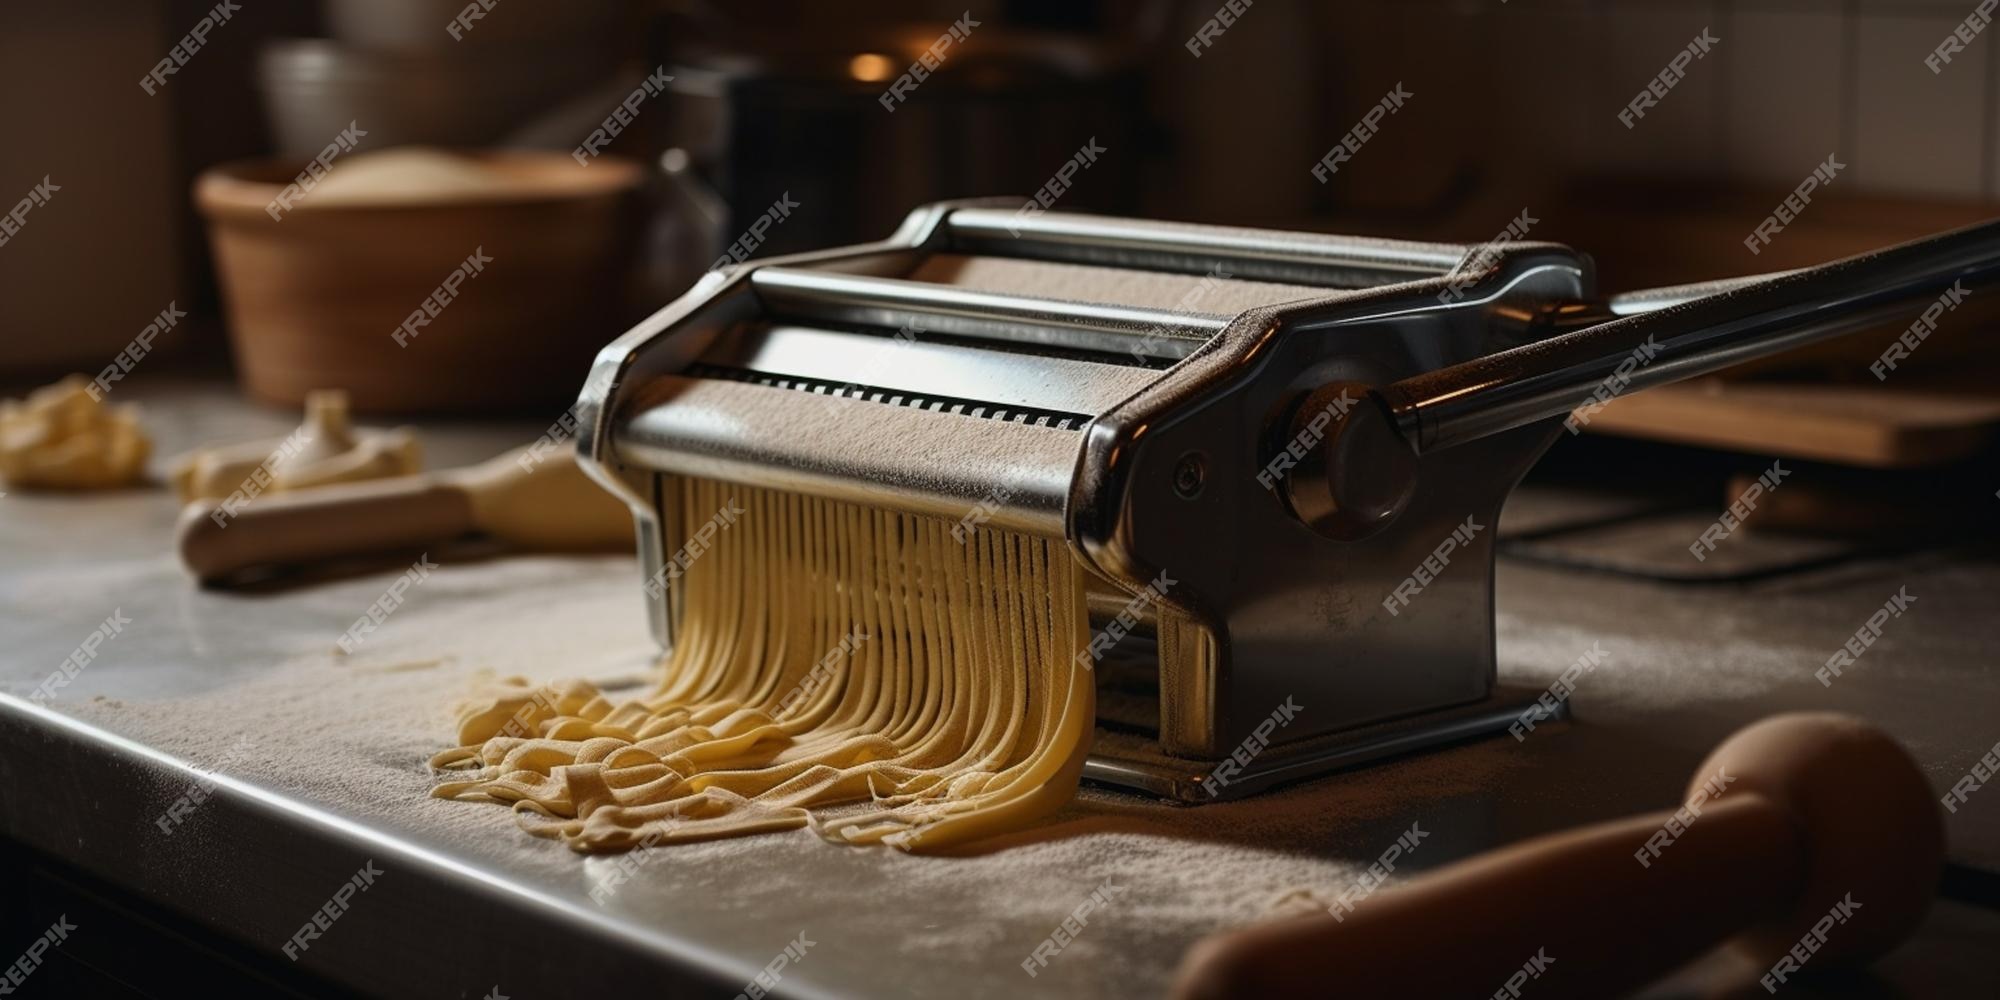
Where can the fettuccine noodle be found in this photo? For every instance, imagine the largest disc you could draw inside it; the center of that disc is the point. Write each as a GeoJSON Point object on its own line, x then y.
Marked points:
{"type": "Point", "coordinates": [827, 653]}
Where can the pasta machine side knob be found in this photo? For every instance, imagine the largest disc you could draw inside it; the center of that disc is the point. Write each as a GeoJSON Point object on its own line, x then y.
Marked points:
{"type": "Point", "coordinates": [1354, 473]}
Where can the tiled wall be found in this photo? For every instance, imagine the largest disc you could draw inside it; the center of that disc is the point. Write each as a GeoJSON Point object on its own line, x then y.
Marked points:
{"type": "Point", "coordinates": [1790, 82]}
{"type": "Point", "coordinates": [1533, 87]}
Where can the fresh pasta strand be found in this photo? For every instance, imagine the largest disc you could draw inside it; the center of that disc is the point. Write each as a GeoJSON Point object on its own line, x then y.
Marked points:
{"type": "Point", "coordinates": [827, 653]}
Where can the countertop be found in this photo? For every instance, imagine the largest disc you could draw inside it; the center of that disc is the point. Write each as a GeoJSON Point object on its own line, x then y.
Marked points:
{"type": "Point", "coordinates": [457, 914]}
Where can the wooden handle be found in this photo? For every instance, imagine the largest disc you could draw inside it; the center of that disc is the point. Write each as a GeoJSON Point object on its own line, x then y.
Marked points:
{"type": "Point", "coordinates": [1794, 825]}
{"type": "Point", "coordinates": [321, 523]}
{"type": "Point", "coordinates": [1574, 913]}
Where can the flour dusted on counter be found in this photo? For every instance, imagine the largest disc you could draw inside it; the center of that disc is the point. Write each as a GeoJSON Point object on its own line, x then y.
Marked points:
{"type": "Point", "coordinates": [352, 736]}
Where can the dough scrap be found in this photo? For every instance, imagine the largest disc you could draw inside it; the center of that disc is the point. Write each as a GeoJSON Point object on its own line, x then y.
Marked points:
{"type": "Point", "coordinates": [63, 438]}
{"type": "Point", "coordinates": [323, 451]}
{"type": "Point", "coordinates": [827, 653]}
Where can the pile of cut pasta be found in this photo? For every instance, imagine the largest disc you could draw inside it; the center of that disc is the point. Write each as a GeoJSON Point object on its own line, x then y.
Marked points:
{"type": "Point", "coordinates": [826, 654]}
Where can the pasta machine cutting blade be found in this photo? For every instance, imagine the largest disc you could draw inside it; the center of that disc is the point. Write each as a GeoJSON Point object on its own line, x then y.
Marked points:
{"type": "Point", "coordinates": [1280, 456]}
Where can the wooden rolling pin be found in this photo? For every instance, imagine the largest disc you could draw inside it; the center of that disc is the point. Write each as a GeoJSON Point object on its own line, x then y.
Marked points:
{"type": "Point", "coordinates": [1825, 843]}
{"type": "Point", "coordinates": [547, 505]}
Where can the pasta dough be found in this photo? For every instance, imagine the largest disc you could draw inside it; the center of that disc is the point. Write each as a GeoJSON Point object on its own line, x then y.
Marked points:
{"type": "Point", "coordinates": [323, 451]}
{"type": "Point", "coordinates": [827, 653]}
{"type": "Point", "coordinates": [409, 174]}
{"type": "Point", "coordinates": [63, 438]}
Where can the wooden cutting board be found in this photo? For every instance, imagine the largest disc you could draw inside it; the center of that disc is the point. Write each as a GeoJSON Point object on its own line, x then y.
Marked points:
{"type": "Point", "coordinates": [1872, 426]}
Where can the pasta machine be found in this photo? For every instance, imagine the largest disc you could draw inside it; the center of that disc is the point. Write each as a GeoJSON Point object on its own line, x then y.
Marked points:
{"type": "Point", "coordinates": [1280, 456]}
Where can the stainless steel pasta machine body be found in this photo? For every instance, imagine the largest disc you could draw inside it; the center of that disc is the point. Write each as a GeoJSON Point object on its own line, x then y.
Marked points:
{"type": "Point", "coordinates": [1294, 498]}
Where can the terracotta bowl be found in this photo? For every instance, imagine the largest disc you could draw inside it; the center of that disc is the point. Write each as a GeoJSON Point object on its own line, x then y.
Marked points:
{"type": "Point", "coordinates": [315, 298]}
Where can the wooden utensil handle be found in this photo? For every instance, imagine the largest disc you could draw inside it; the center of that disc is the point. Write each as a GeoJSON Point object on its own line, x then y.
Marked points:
{"type": "Point", "coordinates": [321, 523]}
{"type": "Point", "coordinates": [1575, 912]}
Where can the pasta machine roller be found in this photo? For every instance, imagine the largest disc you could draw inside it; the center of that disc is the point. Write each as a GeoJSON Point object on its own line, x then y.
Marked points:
{"type": "Point", "coordinates": [1280, 456]}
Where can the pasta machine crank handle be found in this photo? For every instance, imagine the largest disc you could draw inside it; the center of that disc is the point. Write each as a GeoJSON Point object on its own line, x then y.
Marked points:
{"type": "Point", "coordinates": [1744, 320]}
{"type": "Point", "coordinates": [1632, 342]}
